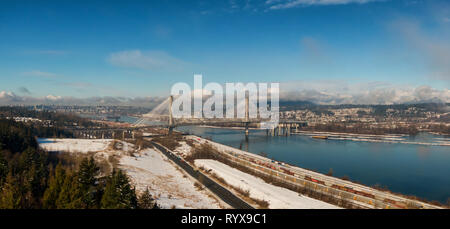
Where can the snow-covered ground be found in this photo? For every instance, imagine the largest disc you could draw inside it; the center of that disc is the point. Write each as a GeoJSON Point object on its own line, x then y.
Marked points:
{"type": "Point", "coordinates": [171, 186]}
{"type": "Point", "coordinates": [278, 198]}
{"type": "Point", "coordinates": [146, 168]}
{"type": "Point", "coordinates": [183, 150]}
{"type": "Point", "coordinates": [73, 145]}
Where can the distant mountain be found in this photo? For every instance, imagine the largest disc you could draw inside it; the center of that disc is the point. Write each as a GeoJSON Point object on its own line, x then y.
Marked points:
{"type": "Point", "coordinates": [295, 105]}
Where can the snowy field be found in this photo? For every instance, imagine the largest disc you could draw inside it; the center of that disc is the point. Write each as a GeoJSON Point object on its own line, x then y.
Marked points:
{"type": "Point", "coordinates": [72, 145]}
{"type": "Point", "coordinates": [147, 168]}
{"type": "Point", "coordinates": [278, 198]}
{"type": "Point", "coordinates": [171, 186]}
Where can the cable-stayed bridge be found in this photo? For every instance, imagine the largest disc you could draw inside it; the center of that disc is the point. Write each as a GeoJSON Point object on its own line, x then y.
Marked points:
{"type": "Point", "coordinates": [161, 116]}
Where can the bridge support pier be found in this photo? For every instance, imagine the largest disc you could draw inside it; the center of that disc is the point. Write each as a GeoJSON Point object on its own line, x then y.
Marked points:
{"type": "Point", "coordinates": [246, 129]}
{"type": "Point", "coordinates": [171, 123]}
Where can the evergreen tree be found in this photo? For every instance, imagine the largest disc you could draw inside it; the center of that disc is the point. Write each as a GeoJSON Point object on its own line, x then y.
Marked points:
{"type": "Point", "coordinates": [10, 195]}
{"type": "Point", "coordinates": [87, 179]}
{"type": "Point", "coordinates": [54, 188]}
{"type": "Point", "coordinates": [118, 192]}
{"type": "Point", "coordinates": [88, 172]}
{"type": "Point", "coordinates": [65, 198]}
{"type": "Point", "coordinates": [78, 196]}
{"type": "Point", "coordinates": [28, 179]}
{"type": "Point", "coordinates": [3, 168]}
{"type": "Point", "coordinates": [146, 200]}
{"type": "Point", "coordinates": [34, 175]}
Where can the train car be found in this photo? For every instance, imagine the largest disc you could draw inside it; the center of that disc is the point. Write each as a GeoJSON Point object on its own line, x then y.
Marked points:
{"type": "Point", "coordinates": [401, 205]}
{"type": "Point", "coordinates": [389, 201]}
{"type": "Point", "coordinates": [337, 186]}
{"type": "Point", "coordinates": [350, 189]}
{"type": "Point", "coordinates": [365, 194]}
{"type": "Point", "coordinates": [320, 182]}
{"type": "Point", "coordinates": [314, 180]}
{"type": "Point", "coordinates": [286, 171]}
{"type": "Point", "coordinates": [397, 204]}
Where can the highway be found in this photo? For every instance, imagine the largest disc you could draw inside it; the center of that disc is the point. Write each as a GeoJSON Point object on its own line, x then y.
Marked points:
{"type": "Point", "coordinates": [223, 193]}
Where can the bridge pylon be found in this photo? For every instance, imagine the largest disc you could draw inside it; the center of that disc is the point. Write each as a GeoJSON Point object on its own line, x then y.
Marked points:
{"type": "Point", "coordinates": [247, 114]}
{"type": "Point", "coordinates": [171, 122]}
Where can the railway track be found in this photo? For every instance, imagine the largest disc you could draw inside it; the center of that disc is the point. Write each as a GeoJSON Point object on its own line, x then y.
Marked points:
{"type": "Point", "coordinates": [329, 181]}
{"type": "Point", "coordinates": [223, 193]}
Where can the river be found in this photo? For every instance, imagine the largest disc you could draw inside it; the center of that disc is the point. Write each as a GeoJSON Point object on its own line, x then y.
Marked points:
{"type": "Point", "coordinates": [413, 169]}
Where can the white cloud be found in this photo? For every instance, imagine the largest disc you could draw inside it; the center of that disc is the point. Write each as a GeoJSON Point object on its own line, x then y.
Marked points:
{"type": "Point", "coordinates": [9, 98]}
{"type": "Point", "coordinates": [336, 92]}
{"type": "Point", "coordinates": [6, 95]}
{"type": "Point", "coordinates": [150, 60]}
{"type": "Point", "coordinates": [286, 4]}
{"type": "Point", "coordinates": [53, 97]}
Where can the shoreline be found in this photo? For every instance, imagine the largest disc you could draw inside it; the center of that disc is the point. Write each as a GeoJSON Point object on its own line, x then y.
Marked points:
{"type": "Point", "coordinates": [299, 170]}
{"type": "Point", "coordinates": [387, 138]}
{"type": "Point", "coordinates": [327, 132]}
{"type": "Point", "coordinates": [443, 140]}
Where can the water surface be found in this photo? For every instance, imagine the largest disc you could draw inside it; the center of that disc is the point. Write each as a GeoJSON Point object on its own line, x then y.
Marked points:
{"type": "Point", "coordinates": [420, 170]}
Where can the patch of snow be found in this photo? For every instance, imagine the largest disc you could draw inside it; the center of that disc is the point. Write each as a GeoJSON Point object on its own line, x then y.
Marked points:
{"type": "Point", "coordinates": [169, 186]}
{"type": "Point", "coordinates": [183, 150]}
{"type": "Point", "coordinates": [278, 197]}
{"type": "Point", "coordinates": [73, 145]}
{"type": "Point", "coordinates": [148, 168]}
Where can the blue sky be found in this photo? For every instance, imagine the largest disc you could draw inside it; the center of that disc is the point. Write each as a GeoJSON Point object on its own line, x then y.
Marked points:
{"type": "Point", "coordinates": [140, 48]}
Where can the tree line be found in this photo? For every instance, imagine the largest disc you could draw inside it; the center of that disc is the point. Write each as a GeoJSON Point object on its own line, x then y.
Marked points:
{"type": "Point", "coordinates": [33, 178]}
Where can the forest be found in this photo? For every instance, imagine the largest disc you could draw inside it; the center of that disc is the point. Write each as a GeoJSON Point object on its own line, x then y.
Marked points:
{"type": "Point", "coordinates": [31, 178]}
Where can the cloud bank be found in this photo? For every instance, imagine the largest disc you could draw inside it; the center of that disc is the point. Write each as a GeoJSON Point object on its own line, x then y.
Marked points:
{"type": "Point", "coordinates": [319, 92]}
{"type": "Point", "coordinates": [10, 98]}
{"type": "Point", "coordinates": [331, 92]}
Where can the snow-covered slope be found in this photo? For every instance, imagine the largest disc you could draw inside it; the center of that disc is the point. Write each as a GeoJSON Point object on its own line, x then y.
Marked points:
{"type": "Point", "coordinates": [147, 168]}
{"type": "Point", "coordinates": [278, 198]}
{"type": "Point", "coordinates": [171, 186]}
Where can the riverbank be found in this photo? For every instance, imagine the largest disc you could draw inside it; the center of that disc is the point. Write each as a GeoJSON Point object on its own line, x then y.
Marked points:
{"type": "Point", "coordinates": [377, 198]}
{"type": "Point", "coordinates": [380, 138]}
{"type": "Point", "coordinates": [386, 138]}
{"type": "Point", "coordinates": [411, 169]}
